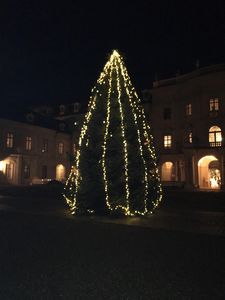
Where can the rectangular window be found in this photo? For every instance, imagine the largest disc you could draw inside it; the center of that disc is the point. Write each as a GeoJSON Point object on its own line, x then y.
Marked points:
{"type": "Point", "coordinates": [61, 148]}
{"type": "Point", "coordinates": [28, 143]}
{"type": "Point", "coordinates": [9, 171]}
{"type": "Point", "coordinates": [26, 171]}
{"type": "Point", "coordinates": [188, 109]}
{"type": "Point", "coordinates": [44, 172]}
{"type": "Point", "coordinates": [190, 137]}
{"type": "Point", "coordinates": [44, 146]}
{"type": "Point", "coordinates": [167, 141]}
{"type": "Point", "coordinates": [75, 107]}
{"type": "Point", "coordinates": [167, 113]}
{"type": "Point", "coordinates": [62, 109]}
{"type": "Point", "coordinates": [9, 140]}
{"type": "Point", "coordinates": [214, 104]}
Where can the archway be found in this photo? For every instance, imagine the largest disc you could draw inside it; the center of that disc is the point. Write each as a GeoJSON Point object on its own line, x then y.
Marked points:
{"type": "Point", "coordinates": [209, 172]}
{"type": "Point", "coordinates": [60, 173]}
{"type": "Point", "coordinates": [167, 171]}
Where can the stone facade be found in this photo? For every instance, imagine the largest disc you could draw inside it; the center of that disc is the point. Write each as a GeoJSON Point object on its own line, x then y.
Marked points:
{"type": "Point", "coordinates": [32, 153]}
{"type": "Point", "coordinates": [186, 115]}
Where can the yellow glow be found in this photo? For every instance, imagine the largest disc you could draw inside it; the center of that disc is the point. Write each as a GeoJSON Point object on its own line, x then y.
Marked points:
{"type": "Point", "coordinates": [1, 165]}
{"type": "Point", "coordinates": [115, 66]}
{"type": "Point", "coordinates": [204, 161]}
{"type": "Point", "coordinates": [168, 164]}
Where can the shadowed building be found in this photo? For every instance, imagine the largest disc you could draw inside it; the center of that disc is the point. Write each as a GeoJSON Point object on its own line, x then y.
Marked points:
{"type": "Point", "coordinates": [187, 117]}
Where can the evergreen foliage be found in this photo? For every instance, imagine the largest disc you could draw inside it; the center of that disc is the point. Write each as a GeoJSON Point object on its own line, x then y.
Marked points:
{"type": "Point", "coordinates": [115, 168]}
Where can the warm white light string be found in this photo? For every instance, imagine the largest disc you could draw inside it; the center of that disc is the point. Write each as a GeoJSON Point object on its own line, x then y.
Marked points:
{"type": "Point", "coordinates": [115, 64]}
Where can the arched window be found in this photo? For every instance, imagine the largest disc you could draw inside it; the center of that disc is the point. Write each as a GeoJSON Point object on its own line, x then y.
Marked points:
{"type": "Point", "coordinates": [215, 136]}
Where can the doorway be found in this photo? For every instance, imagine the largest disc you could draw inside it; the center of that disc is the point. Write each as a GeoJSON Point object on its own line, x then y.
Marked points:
{"type": "Point", "coordinates": [209, 176]}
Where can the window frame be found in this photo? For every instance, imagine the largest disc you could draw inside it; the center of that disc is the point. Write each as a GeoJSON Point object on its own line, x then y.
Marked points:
{"type": "Point", "coordinates": [215, 136]}
{"type": "Point", "coordinates": [167, 141]}
{"type": "Point", "coordinates": [214, 104]}
{"type": "Point", "coordinates": [60, 148]}
{"type": "Point", "coordinates": [167, 113]}
{"type": "Point", "coordinates": [9, 140]}
{"type": "Point", "coordinates": [28, 143]}
{"type": "Point", "coordinates": [188, 110]}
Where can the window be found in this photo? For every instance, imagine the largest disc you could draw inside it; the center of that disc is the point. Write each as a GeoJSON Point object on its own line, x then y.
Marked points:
{"type": "Point", "coordinates": [214, 104]}
{"type": "Point", "coordinates": [9, 140]}
{"type": "Point", "coordinates": [167, 113]}
{"type": "Point", "coordinates": [28, 143]}
{"type": "Point", "coordinates": [44, 146]}
{"type": "Point", "coordinates": [167, 141]}
{"type": "Point", "coordinates": [76, 107]}
{"type": "Point", "coordinates": [9, 171]}
{"type": "Point", "coordinates": [215, 136]}
{"type": "Point", "coordinates": [60, 148]}
{"type": "Point", "coordinates": [188, 109]}
{"type": "Point", "coordinates": [44, 172]}
{"type": "Point", "coordinates": [190, 137]}
{"type": "Point", "coordinates": [26, 171]}
{"type": "Point", "coordinates": [62, 109]}
{"type": "Point", "coordinates": [62, 126]}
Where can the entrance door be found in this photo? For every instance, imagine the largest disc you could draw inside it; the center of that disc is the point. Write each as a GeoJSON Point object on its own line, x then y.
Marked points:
{"type": "Point", "coordinates": [168, 171]}
{"type": "Point", "coordinates": [209, 172]}
{"type": "Point", "coordinates": [60, 173]}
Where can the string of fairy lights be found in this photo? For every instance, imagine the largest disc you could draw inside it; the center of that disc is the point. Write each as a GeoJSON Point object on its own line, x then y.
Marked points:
{"type": "Point", "coordinates": [116, 66]}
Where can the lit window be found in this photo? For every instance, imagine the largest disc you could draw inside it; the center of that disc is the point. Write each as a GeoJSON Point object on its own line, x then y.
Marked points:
{"type": "Point", "coordinates": [214, 104]}
{"type": "Point", "coordinates": [26, 171]}
{"type": "Point", "coordinates": [167, 113]}
{"type": "Point", "coordinates": [167, 141]}
{"type": "Point", "coordinates": [60, 148]}
{"type": "Point", "coordinates": [9, 140]}
{"type": "Point", "coordinates": [28, 143]}
{"type": "Point", "coordinates": [190, 137]}
{"type": "Point", "coordinates": [215, 136]}
{"type": "Point", "coordinates": [45, 145]}
{"type": "Point", "coordinates": [188, 109]}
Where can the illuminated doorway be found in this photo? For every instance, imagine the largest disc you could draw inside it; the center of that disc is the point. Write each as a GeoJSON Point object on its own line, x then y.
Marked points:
{"type": "Point", "coordinates": [60, 173]}
{"type": "Point", "coordinates": [167, 171]}
{"type": "Point", "coordinates": [209, 172]}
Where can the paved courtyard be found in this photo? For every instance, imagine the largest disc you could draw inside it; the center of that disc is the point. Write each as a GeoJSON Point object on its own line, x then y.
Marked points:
{"type": "Point", "coordinates": [48, 254]}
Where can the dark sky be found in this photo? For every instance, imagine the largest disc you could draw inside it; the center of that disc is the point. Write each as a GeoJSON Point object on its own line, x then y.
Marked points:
{"type": "Point", "coordinates": [52, 52]}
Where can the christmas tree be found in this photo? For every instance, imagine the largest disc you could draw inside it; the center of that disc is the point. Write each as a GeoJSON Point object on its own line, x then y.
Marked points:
{"type": "Point", "coordinates": [115, 169]}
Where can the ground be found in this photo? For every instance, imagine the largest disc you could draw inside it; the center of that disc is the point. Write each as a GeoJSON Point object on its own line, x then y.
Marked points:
{"type": "Point", "coordinates": [47, 254]}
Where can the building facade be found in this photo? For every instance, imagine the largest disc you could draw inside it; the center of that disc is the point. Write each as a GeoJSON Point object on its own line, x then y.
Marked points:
{"type": "Point", "coordinates": [33, 150]}
{"type": "Point", "coordinates": [187, 118]}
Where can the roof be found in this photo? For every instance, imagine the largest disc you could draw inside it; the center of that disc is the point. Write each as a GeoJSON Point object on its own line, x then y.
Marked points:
{"type": "Point", "coordinates": [190, 75]}
{"type": "Point", "coordinates": [25, 115]}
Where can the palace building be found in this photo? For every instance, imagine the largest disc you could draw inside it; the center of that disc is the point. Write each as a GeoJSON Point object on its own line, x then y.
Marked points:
{"type": "Point", "coordinates": [187, 117]}
{"type": "Point", "coordinates": [37, 145]}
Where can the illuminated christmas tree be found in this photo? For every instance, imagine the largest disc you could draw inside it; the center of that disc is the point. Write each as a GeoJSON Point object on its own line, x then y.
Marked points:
{"type": "Point", "coordinates": [115, 168]}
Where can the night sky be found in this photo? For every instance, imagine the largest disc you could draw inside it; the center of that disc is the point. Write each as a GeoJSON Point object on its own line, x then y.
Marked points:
{"type": "Point", "coordinates": [53, 52]}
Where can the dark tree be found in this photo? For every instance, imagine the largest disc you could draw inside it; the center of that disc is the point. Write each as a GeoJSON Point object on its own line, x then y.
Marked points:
{"type": "Point", "coordinates": [115, 168]}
